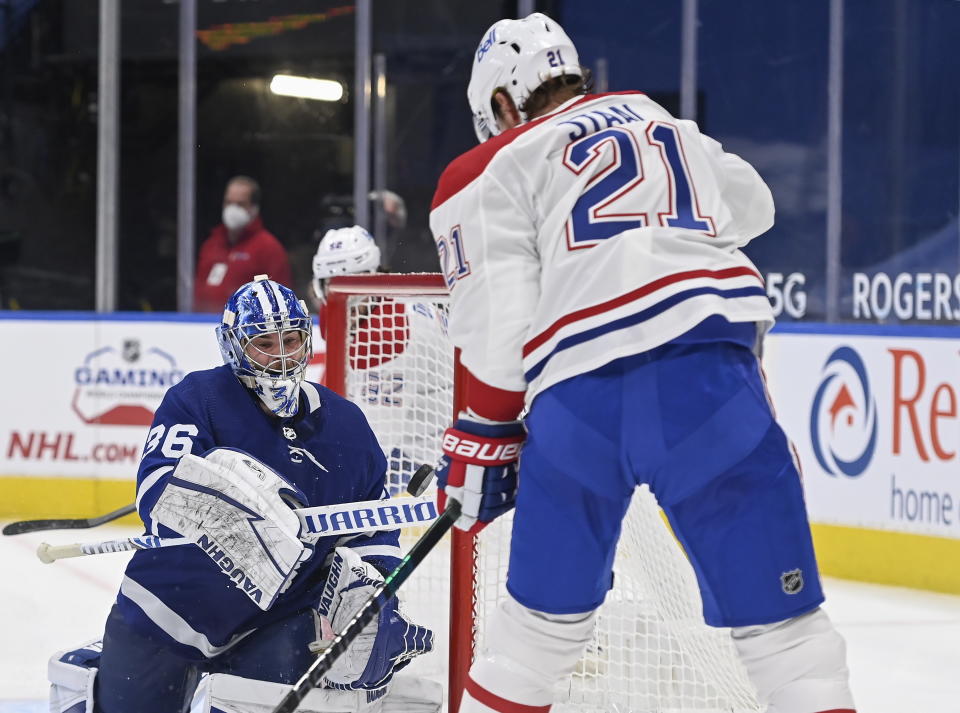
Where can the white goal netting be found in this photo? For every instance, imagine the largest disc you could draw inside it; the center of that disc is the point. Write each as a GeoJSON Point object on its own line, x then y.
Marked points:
{"type": "Point", "coordinates": [651, 650]}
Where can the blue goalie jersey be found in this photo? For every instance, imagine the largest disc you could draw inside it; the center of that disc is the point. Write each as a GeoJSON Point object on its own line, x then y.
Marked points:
{"type": "Point", "coordinates": [178, 594]}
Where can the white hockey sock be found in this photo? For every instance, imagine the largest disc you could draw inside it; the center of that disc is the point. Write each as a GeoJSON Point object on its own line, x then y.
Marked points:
{"type": "Point", "coordinates": [798, 665]}
{"type": "Point", "coordinates": [527, 652]}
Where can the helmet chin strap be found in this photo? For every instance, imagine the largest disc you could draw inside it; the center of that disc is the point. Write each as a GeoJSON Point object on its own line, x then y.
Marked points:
{"type": "Point", "coordinates": [281, 397]}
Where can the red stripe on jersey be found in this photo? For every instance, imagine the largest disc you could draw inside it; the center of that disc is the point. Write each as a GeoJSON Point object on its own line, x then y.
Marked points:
{"type": "Point", "coordinates": [636, 294]}
{"type": "Point", "coordinates": [492, 700]}
{"type": "Point", "coordinates": [489, 401]}
{"type": "Point", "coordinates": [466, 167]}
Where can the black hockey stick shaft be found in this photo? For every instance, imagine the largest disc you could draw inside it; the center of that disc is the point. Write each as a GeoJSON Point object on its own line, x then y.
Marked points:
{"type": "Point", "coordinates": [24, 526]}
{"type": "Point", "coordinates": [319, 668]}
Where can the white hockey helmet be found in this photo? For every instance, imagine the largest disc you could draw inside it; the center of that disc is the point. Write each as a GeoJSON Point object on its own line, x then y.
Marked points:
{"type": "Point", "coordinates": [517, 56]}
{"type": "Point", "coordinates": [344, 251]}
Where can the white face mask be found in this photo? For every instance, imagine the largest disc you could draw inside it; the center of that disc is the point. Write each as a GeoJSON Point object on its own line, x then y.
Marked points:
{"type": "Point", "coordinates": [280, 396]}
{"type": "Point", "coordinates": [236, 217]}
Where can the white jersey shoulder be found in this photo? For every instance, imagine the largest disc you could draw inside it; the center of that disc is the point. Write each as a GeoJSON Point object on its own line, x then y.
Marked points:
{"type": "Point", "coordinates": [603, 229]}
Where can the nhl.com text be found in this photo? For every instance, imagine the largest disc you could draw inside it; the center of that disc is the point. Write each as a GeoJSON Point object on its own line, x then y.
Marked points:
{"type": "Point", "coordinates": [64, 446]}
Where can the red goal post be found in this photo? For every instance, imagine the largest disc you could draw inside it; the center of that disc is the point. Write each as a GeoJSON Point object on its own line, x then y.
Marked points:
{"type": "Point", "coordinates": [420, 285]}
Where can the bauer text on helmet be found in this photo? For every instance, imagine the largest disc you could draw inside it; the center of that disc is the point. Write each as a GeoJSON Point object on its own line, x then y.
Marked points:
{"type": "Point", "coordinates": [265, 338]}
{"type": "Point", "coordinates": [344, 251]}
{"type": "Point", "coordinates": [517, 56]}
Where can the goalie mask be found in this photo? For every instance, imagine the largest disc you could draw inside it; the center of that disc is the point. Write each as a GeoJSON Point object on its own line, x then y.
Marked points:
{"type": "Point", "coordinates": [265, 339]}
{"type": "Point", "coordinates": [517, 56]}
{"type": "Point", "coordinates": [344, 251]}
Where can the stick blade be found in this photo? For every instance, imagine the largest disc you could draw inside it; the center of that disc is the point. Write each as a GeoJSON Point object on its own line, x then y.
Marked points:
{"type": "Point", "coordinates": [14, 529]}
{"type": "Point", "coordinates": [420, 481]}
{"type": "Point", "coordinates": [24, 526]}
{"type": "Point", "coordinates": [80, 523]}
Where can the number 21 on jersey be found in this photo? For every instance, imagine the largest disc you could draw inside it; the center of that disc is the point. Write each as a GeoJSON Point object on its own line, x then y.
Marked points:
{"type": "Point", "coordinates": [614, 200]}
{"type": "Point", "coordinates": [453, 260]}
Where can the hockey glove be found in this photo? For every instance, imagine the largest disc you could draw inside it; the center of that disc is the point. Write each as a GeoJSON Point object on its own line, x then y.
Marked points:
{"type": "Point", "coordinates": [238, 511]}
{"type": "Point", "coordinates": [479, 469]}
{"type": "Point", "coordinates": [384, 646]}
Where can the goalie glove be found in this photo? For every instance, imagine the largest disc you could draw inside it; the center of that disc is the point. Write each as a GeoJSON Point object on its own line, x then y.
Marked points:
{"type": "Point", "coordinates": [384, 646]}
{"type": "Point", "coordinates": [479, 469]}
{"type": "Point", "coordinates": [238, 511]}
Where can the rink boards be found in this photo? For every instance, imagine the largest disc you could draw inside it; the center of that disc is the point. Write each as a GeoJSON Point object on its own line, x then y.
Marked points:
{"type": "Point", "coordinates": [873, 413]}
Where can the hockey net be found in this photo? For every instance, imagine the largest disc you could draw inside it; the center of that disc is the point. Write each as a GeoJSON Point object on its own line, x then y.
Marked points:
{"type": "Point", "coordinates": [387, 351]}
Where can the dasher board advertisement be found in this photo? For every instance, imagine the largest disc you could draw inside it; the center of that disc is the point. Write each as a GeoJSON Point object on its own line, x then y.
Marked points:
{"type": "Point", "coordinates": [873, 414]}
{"type": "Point", "coordinates": [85, 387]}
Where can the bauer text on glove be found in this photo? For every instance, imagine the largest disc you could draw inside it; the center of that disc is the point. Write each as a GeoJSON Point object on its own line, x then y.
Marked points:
{"type": "Point", "coordinates": [478, 468]}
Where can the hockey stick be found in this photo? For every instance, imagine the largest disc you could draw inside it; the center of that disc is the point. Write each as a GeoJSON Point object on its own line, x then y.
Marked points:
{"type": "Point", "coordinates": [317, 522]}
{"type": "Point", "coordinates": [383, 593]}
{"type": "Point", "coordinates": [22, 526]}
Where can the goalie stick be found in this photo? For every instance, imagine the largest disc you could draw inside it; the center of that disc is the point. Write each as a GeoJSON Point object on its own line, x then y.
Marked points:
{"type": "Point", "coordinates": [23, 526]}
{"type": "Point", "coordinates": [383, 593]}
{"type": "Point", "coordinates": [323, 521]}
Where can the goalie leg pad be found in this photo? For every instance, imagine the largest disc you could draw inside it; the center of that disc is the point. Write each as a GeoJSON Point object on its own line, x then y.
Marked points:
{"type": "Point", "coordinates": [223, 693]}
{"type": "Point", "coordinates": [798, 665]}
{"type": "Point", "coordinates": [527, 653]}
{"type": "Point", "coordinates": [410, 694]}
{"type": "Point", "coordinates": [72, 674]}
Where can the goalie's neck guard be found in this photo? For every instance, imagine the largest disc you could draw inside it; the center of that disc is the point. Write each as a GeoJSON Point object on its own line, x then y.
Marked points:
{"type": "Point", "coordinates": [281, 397]}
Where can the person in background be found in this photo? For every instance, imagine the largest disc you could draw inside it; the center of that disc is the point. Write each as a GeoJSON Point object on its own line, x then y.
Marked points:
{"type": "Point", "coordinates": [237, 249]}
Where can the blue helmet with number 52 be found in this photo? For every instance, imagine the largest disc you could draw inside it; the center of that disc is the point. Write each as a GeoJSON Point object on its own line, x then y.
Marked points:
{"type": "Point", "coordinates": [265, 338]}
{"type": "Point", "coordinates": [517, 56]}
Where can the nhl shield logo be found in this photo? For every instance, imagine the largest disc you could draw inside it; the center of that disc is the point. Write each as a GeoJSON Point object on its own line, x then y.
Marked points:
{"type": "Point", "coordinates": [792, 581]}
{"type": "Point", "coordinates": [289, 434]}
{"type": "Point", "coordinates": [131, 350]}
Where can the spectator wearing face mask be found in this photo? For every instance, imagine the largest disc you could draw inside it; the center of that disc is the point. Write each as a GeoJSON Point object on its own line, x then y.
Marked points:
{"type": "Point", "coordinates": [237, 249]}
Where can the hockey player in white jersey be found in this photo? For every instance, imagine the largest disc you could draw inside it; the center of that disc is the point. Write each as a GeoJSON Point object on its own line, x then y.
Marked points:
{"type": "Point", "coordinates": [231, 451]}
{"type": "Point", "coordinates": [592, 245]}
{"type": "Point", "coordinates": [395, 375]}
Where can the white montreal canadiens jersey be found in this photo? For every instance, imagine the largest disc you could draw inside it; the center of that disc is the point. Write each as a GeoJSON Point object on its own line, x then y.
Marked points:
{"type": "Point", "coordinates": [603, 229]}
{"type": "Point", "coordinates": [401, 377]}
